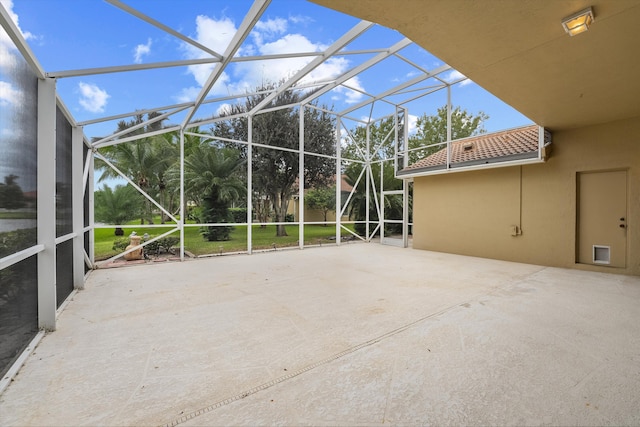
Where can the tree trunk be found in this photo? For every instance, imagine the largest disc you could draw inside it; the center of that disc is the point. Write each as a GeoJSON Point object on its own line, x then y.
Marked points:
{"type": "Point", "coordinates": [280, 205]}
{"type": "Point", "coordinates": [163, 218]}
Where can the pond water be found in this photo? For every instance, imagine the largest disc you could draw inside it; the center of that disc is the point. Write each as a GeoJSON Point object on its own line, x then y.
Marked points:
{"type": "Point", "coordinates": [16, 224]}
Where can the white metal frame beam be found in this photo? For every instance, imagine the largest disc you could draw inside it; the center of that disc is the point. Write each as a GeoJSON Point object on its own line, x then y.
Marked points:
{"type": "Point", "coordinates": [163, 27]}
{"type": "Point", "coordinates": [186, 62]}
{"type": "Point", "coordinates": [47, 204]}
{"type": "Point", "coordinates": [347, 38]}
{"type": "Point", "coordinates": [358, 69]}
{"type": "Point", "coordinates": [21, 44]}
{"type": "Point", "coordinates": [396, 89]}
{"type": "Point", "coordinates": [77, 200]}
{"type": "Point", "coordinates": [253, 15]}
{"type": "Point", "coordinates": [221, 62]}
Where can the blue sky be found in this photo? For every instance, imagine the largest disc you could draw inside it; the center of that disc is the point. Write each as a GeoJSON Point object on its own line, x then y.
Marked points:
{"type": "Point", "coordinates": [79, 34]}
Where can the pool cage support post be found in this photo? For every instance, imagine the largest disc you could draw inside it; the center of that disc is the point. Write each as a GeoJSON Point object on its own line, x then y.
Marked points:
{"type": "Point", "coordinates": [301, 177]}
{"type": "Point", "coordinates": [92, 208]}
{"type": "Point", "coordinates": [382, 199]}
{"type": "Point", "coordinates": [77, 200]}
{"type": "Point", "coordinates": [405, 183]}
{"type": "Point", "coordinates": [448, 126]}
{"type": "Point", "coordinates": [46, 211]}
{"type": "Point", "coordinates": [182, 200]}
{"type": "Point", "coordinates": [249, 184]}
{"type": "Point", "coordinates": [338, 183]}
{"type": "Point", "coordinates": [368, 177]}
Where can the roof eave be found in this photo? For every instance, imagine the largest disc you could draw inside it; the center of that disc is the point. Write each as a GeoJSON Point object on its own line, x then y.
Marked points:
{"type": "Point", "coordinates": [495, 162]}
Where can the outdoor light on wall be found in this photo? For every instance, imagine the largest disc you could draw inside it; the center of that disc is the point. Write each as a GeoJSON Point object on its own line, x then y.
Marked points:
{"type": "Point", "coordinates": [578, 22]}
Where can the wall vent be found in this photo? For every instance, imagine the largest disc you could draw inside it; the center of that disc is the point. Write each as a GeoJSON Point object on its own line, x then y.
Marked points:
{"type": "Point", "coordinates": [601, 254]}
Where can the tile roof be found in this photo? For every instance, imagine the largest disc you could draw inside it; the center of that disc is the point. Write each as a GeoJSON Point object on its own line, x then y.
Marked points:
{"type": "Point", "coordinates": [344, 185]}
{"type": "Point", "coordinates": [483, 148]}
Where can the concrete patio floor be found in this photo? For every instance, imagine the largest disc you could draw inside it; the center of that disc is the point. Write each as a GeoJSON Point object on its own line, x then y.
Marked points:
{"type": "Point", "coordinates": [360, 334]}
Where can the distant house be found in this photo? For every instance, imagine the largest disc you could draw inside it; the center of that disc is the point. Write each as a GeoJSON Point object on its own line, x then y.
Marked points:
{"type": "Point", "coordinates": [316, 215]}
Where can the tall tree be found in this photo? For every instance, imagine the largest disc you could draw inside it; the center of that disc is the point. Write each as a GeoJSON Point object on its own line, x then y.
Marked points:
{"type": "Point", "coordinates": [170, 177]}
{"type": "Point", "coordinates": [322, 199]}
{"type": "Point", "coordinates": [381, 141]}
{"type": "Point", "coordinates": [432, 130]}
{"type": "Point", "coordinates": [144, 161]}
{"type": "Point", "coordinates": [276, 171]}
{"type": "Point", "coordinates": [11, 195]}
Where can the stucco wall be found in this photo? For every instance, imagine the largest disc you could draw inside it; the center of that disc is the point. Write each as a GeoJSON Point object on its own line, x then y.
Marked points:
{"type": "Point", "coordinates": [471, 213]}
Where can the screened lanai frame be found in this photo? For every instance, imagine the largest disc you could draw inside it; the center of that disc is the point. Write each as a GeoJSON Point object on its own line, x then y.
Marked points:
{"type": "Point", "coordinates": [408, 90]}
{"type": "Point", "coordinates": [319, 88]}
{"type": "Point", "coordinates": [77, 236]}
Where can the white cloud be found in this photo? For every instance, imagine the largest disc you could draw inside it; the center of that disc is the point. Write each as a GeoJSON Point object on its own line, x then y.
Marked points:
{"type": "Point", "coordinates": [268, 29]}
{"type": "Point", "coordinates": [188, 94]}
{"type": "Point", "coordinates": [274, 26]}
{"type": "Point", "coordinates": [456, 75]}
{"type": "Point", "coordinates": [9, 95]}
{"type": "Point", "coordinates": [223, 109]}
{"type": "Point", "coordinates": [140, 51]}
{"type": "Point", "coordinates": [8, 54]}
{"type": "Point", "coordinates": [268, 38]}
{"type": "Point", "coordinates": [412, 122]}
{"type": "Point", "coordinates": [350, 96]}
{"type": "Point", "coordinates": [300, 19]}
{"type": "Point", "coordinates": [8, 5]}
{"type": "Point", "coordinates": [216, 35]}
{"type": "Point", "coordinates": [7, 133]}
{"type": "Point", "coordinates": [256, 72]}
{"type": "Point", "coordinates": [8, 50]}
{"type": "Point", "coordinates": [92, 98]}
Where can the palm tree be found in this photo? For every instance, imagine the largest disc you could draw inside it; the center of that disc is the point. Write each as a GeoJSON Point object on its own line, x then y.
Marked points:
{"type": "Point", "coordinates": [145, 161]}
{"type": "Point", "coordinates": [211, 176]}
{"type": "Point", "coordinates": [140, 162]}
{"type": "Point", "coordinates": [116, 206]}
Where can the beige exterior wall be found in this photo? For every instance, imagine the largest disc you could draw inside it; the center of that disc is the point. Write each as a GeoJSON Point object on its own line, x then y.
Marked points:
{"type": "Point", "coordinates": [312, 215]}
{"type": "Point", "coordinates": [472, 213]}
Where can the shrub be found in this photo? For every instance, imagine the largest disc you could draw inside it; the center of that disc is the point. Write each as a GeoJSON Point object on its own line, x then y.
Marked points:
{"type": "Point", "coordinates": [156, 247]}
{"type": "Point", "coordinates": [17, 240]}
{"type": "Point", "coordinates": [121, 244]}
{"type": "Point", "coordinates": [239, 214]}
{"type": "Point", "coordinates": [162, 245]}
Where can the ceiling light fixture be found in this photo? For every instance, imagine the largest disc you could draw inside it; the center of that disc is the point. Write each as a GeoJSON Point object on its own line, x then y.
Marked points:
{"type": "Point", "coordinates": [578, 22]}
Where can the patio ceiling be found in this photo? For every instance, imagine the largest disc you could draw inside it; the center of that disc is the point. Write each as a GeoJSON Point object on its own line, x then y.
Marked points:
{"type": "Point", "coordinates": [518, 51]}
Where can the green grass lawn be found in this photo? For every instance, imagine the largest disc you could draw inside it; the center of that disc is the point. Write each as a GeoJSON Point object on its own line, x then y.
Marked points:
{"type": "Point", "coordinates": [263, 238]}
{"type": "Point", "coordinates": [31, 214]}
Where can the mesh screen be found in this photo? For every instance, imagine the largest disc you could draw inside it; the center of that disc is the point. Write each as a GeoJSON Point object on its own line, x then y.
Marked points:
{"type": "Point", "coordinates": [18, 193]}
{"type": "Point", "coordinates": [64, 213]}
{"type": "Point", "coordinates": [18, 309]}
{"type": "Point", "coordinates": [64, 271]}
